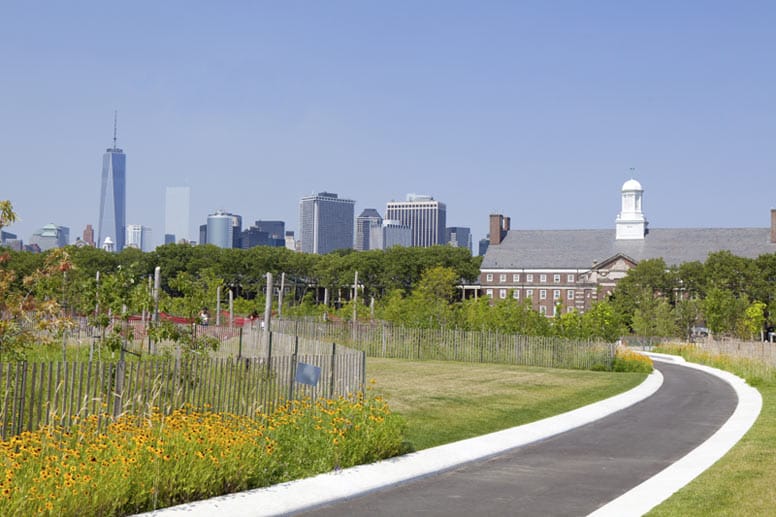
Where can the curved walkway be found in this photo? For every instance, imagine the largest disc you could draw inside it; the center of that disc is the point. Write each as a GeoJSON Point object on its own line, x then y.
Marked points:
{"type": "Point", "coordinates": [541, 468]}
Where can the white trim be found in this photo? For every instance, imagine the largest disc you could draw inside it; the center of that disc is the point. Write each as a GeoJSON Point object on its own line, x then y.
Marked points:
{"type": "Point", "coordinates": [658, 488]}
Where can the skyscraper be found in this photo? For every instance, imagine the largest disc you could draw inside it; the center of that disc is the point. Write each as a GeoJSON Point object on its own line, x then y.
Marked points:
{"type": "Point", "coordinates": [459, 237]}
{"type": "Point", "coordinates": [113, 196]}
{"type": "Point", "coordinates": [368, 219]}
{"type": "Point", "coordinates": [325, 223]}
{"type": "Point", "coordinates": [424, 215]}
{"type": "Point", "coordinates": [138, 236]}
{"type": "Point", "coordinates": [177, 214]}
{"type": "Point", "coordinates": [222, 229]}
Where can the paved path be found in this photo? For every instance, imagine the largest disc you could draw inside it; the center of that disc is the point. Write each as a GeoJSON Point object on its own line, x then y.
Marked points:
{"type": "Point", "coordinates": [573, 473]}
{"type": "Point", "coordinates": [608, 453]}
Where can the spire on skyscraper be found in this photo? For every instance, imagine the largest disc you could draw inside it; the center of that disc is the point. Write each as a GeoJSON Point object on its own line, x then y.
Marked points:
{"type": "Point", "coordinates": [115, 126]}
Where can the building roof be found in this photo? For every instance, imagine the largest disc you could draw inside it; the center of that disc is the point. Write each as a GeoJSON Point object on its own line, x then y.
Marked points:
{"type": "Point", "coordinates": [579, 249]}
{"type": "Point", "coordinates": [631, 184]}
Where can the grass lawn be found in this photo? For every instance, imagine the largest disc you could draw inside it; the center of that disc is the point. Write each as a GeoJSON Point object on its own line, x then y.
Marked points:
{"type": "Point", "coordinates": [444, 401]}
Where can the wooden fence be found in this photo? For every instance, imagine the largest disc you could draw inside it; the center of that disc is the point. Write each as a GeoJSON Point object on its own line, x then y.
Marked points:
{"type": "Point", "coordinates": [36, 394]}
{"type": "Point", "coordinates": [384, 340]}
{"type": "Point", "coordinates": [762, 351]}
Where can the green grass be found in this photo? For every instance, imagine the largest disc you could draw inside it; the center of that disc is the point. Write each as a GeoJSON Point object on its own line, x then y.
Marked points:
{"type": "Point", "coordinates": [743, 482]}
{"type": "Point", "coordinates": [445, 401]}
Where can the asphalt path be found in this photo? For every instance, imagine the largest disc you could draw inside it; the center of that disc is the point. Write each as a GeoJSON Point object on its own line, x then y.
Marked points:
{"type": "Point", "coordinates": [573, 473]}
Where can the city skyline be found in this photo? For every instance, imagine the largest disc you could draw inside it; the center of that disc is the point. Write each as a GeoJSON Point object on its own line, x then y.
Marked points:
{"type": "Point", "coordinates": [535, 110]}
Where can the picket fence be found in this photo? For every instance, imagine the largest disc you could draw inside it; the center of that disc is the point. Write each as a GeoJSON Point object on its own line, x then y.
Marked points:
{"type": "Point", "coordinates": [60, 393]}
{"type": "Point", "coordinates": [390, 341]}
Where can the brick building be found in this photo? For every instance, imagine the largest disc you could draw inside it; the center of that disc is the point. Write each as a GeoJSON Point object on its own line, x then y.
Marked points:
{"type": "Point", "coordinates": [564, 270]}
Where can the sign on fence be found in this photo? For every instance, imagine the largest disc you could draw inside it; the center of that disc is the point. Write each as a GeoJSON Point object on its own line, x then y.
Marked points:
{"type": "Point", "coordinates": [307, 374]}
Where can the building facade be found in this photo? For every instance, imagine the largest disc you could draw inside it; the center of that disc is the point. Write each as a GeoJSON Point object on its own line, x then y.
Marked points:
{"type": "Point", "coordinates": [325, 223]}
{"type": "Point", "coordinates": [369, 218]}
{"type": "Point", "coordinates": [264, 233]}
{"type": "Point", "coordinates": [459, 237]}
{"type": "Point", "coordinates": [113, 197]}
{"type": "Point", "coordinates": [219, 230]}
{"type": "Point", "coordinates": [177, 214]}
{"type": "Point", "coordinates": [51, 236]}
{"type": "Point", "coordinates": [138, 236]}
{"type": "Point", "coordinates": [390, 234]}
{"type": "Point", "coordinates": [425, 216]}
{"type": "Point", "coordinates": [567, 270]}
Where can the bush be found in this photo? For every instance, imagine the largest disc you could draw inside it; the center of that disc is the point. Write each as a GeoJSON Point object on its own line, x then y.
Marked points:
{"type": "Point", "coordinates": [626, 360]}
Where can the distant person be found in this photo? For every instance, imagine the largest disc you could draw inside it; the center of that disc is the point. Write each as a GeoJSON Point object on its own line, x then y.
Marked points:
{"type": "Point", "coordinates": [204, 316]}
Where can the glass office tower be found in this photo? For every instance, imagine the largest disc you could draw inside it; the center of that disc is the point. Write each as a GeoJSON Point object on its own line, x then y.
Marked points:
{"type": "Point", "coordinates": [113, 197]}
{"type": "Point", "coordinates": [325, 223]}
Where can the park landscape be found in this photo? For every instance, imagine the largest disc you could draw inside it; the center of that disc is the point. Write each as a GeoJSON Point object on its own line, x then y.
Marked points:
{"type": "Point", "coordinates": [136, 454]}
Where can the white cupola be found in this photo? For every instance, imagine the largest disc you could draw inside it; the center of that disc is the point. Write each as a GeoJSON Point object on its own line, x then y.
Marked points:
{"type": "Point", "coordinates": [631, 223]}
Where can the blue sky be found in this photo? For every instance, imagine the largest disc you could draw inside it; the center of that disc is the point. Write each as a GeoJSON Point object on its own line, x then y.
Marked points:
{"type": "Point", "coordinates": [537, 110]}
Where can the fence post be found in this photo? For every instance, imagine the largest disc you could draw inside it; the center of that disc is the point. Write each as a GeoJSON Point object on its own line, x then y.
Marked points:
{"type": "Point", "coordinates": [239, 344]}
{"type": "Point", "coordinates": [363, 373]}
{"type": "Point", "coordinates": [331, 380]}
{"type": "Point", "coordinates": [293, 370]}
{"type": "Point", "coordinates": [118, 395]}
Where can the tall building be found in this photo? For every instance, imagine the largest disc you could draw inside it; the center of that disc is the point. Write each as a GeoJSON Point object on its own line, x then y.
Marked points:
{"type": "Point", "coordinates": [389, 234]}
{"type": "Point", "coordinates": [424, 215]}
{"type": "Point", "coordinates": [113, 196]}
{"type": "Point", "coordinates": [369, 218]}
{"type": "Point", "coordinates": [88, 235]}
{"type": "Point", "coordinates": [138, 236]}
{"type": "Point", "coordinates": [325, 223]}
{"type": "Point", "coordinates": [220, 229]}
{"type": "Point", "coordinates": [459, 237]}
{"type": "Point", "coordinates": [51, 236]}
{"type": "Point", "coordinates": [264, 233]}
{"type": "Point", "coordinates": [177, 214]}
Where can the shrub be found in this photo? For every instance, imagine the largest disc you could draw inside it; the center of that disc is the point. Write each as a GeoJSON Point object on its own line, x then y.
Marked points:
{"type": "Point", "coordinates": [626, 360]}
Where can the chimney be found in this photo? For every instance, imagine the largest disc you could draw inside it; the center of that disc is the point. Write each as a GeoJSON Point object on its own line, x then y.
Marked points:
{"type": "Point", "coordinates": [773, 225]}
{"type": "Point", "coordinates": [499, 226]}
{"type": "Point", "coordinates": [496, 224]}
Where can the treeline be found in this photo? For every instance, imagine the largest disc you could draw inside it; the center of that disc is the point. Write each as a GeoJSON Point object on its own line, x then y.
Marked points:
{"type": "Point", "coordinates": [415, 287]}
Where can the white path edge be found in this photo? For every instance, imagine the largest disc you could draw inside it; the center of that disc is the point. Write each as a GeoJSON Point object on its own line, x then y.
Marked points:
{"type": "Point", "coordinates": [311, 492]}
{"type": "Point", "coordinates": [658, 488]}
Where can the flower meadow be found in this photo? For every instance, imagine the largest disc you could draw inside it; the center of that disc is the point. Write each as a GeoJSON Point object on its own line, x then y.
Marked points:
{"type": "Point", "coordinates": [626, 360]}
{"type": "Point", "coordinates": [140, 464]}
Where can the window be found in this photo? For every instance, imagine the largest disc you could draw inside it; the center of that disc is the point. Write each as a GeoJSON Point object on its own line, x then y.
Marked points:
{"type": "Point", "coordinates": [516, 294]}
{"type": "Point", "coordinates": [556, 294]}
{"type": "Point", "coordinates": [516, 278]}
{"type": "Point", "coordinates": [489, 277]}
{"type": "Point", "coordinates": [570, 279]}
{"type": "Point", "coordinates": [502, 293]}
{"type": "Point", "coordinates": [569, 309]}
{"type": "Point", "coordinates": [556, 279]}
{"type": "Point", "coordinates": [489, 292]}
{"type": "Point", "coordinates": [543, 278]}
{"type": "Point", "coordinates": [542, 294]}
{"type": "Point", "coordinates": [502, 278]}
{"type": "Point", "coordinates": [529, 293]}
{"type": "Point", "coordinates": [570, 294]}
{"type": "Point", "coordinates": [542, 310]}
{"type": "Point", "coordinates": [529, 277]}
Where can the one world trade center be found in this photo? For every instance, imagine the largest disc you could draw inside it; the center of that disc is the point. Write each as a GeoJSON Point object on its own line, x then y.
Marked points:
{"type": "Point", "coordinates": [113, 198]}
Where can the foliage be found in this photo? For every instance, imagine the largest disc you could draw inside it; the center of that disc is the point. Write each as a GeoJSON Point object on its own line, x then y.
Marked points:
{"type": "Point", "coordinates": [626, 360]}
{"type": "Point", "coordinates": [159, 461]}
